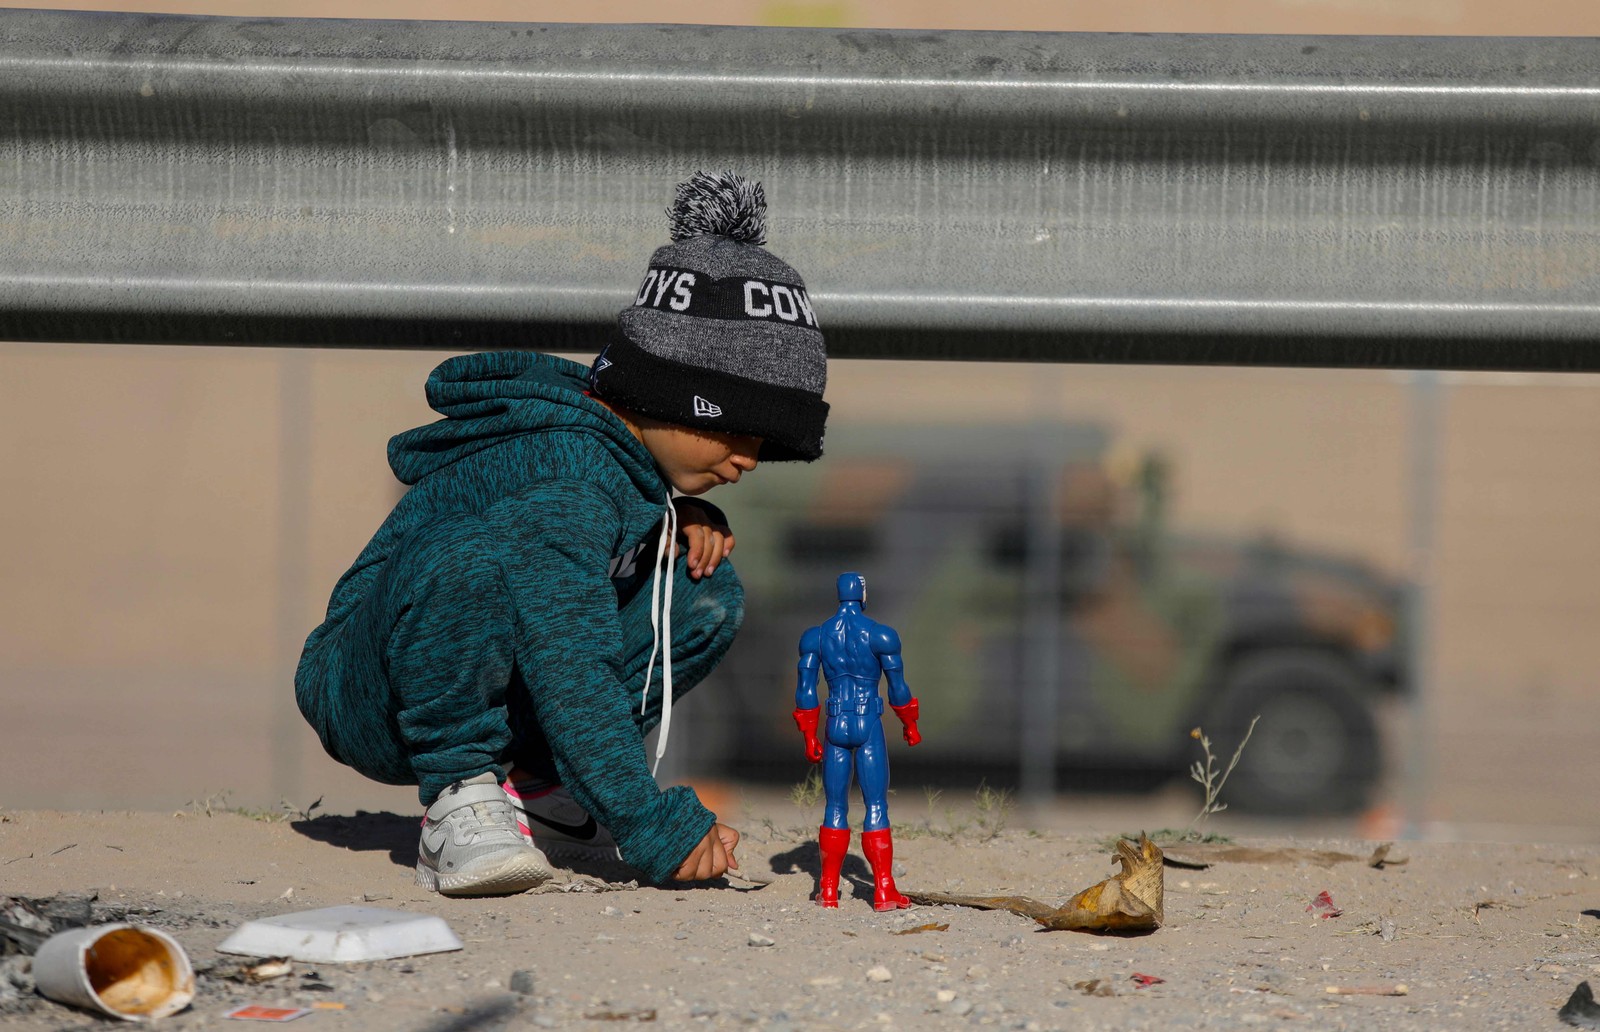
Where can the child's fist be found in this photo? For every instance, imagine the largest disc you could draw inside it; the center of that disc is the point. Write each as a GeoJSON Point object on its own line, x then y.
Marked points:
{"type": "Point", "coordinates": [712, 858]}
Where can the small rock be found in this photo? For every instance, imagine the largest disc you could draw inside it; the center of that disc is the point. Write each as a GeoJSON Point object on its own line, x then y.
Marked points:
{"type": "Point", "coordinates": [1010, 941]}
{"type": "Point", "coordinates": [681, 935]}
{"type": "Point", "coordinates": [757, 939]}
{"type": "Point", "coordinates": [373, 996]}
{"type": "Point", "coordinates": [977, 971]}
{"type": "Point", "coordinates": [1386, 930]}
{"type": "Point", "coordinates": [961, 1008]}
{"type": "Point", "coordinates": [898, 869]}
{"type": "Point", "coordinates": [879, 974]}
{"type": "Point", "coordinates": [522, 982]}
{"type": "Point", "coordinates": [945, 995]}
{"type": "Point", "coordinates": [702, 1010]}
{"type": "Point", "coordinates": [611, 912]}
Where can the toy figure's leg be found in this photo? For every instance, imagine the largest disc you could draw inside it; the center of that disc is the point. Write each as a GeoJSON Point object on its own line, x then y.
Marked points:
{"type": "Point", "coordinates": [872, 770]}
{"type": "Point", "coordinates": [836, 785]}
{"type": "Point", "coordinates": [833, 838]}
{"type": "Point", "coordinates": [411, 687]}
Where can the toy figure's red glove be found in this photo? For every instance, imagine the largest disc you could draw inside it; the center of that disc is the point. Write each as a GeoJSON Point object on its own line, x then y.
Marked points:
{"type": "Point", "coordinates": [806, 721]}
{"type": "Point", "coordinates": [908, 717]}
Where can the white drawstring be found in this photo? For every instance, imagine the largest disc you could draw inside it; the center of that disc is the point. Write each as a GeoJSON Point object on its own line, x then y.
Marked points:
{"type": "Point", "coordinates": [661, 630]}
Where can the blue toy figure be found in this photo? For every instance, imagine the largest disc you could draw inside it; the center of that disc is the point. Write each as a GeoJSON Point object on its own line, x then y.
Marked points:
{"type": "Point", "coordinates": [853, 651]}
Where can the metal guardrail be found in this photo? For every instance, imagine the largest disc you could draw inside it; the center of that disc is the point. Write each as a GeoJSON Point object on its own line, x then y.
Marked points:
{"type": "Point", "coordinates": [1256, 200]}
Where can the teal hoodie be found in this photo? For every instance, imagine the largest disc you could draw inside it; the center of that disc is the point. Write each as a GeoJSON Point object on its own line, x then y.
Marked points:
{"type": "Point", "coordinates": [570, 491]}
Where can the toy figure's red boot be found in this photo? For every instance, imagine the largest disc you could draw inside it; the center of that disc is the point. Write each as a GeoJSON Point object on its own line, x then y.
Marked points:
{"type": "Point", "coordinates": [835, 843]}
{"type": "Point", "coordinates": [879, 848]}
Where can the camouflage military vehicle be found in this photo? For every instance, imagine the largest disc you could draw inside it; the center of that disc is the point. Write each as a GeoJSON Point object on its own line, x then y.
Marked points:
{"type": "Point", "coordinates": [1147, 633]}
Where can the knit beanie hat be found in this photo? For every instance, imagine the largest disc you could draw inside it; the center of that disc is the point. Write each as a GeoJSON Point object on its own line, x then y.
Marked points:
{"type": "Point", "coordinates": [721, 335]}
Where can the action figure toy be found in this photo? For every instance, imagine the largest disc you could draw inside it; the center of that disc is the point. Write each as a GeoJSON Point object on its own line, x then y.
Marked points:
{"type": "Point", "coordinates": [853, 651]}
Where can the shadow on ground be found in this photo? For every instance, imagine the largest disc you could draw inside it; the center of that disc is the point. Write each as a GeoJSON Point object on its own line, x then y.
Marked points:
{"type": "Point", "coordinates": [397, 835]}
{"type": "Point", "coordinates": [805, 859]}
{"type": "Point", "coordinates": [365, 832]}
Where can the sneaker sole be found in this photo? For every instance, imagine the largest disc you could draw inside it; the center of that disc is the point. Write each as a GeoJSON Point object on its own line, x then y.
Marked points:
{"type": "Point", "coordinates": [515, 874]}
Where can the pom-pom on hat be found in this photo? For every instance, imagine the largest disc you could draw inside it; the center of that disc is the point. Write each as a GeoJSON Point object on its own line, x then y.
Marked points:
{"type": "Point", "coordinates": [721, 335]}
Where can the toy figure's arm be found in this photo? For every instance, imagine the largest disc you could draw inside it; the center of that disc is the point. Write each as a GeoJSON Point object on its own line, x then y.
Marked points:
{"type": "Point", "coordinates": [807, 710]}
{"type": "Point", "coordinates": [886, 646]}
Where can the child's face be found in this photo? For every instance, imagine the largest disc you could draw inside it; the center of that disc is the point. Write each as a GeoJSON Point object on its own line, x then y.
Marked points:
{"type": "Point", "coordinates": [695, 461]}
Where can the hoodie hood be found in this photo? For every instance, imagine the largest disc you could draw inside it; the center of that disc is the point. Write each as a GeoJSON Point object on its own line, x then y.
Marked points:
{"type": "Point", "coordinates": [490, 399]}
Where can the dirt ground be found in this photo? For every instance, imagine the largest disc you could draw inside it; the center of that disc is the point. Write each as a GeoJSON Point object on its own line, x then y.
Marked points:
{"type": "Point", "coordinates": [1481, 936]}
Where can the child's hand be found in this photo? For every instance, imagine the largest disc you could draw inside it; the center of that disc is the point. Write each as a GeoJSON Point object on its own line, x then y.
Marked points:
{"type": "Point", "coordinates": [708, 540]}
{"type": "Point", "coordinates": [712, 858]}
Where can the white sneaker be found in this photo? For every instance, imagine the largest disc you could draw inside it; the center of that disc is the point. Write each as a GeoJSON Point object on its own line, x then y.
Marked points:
{"type": "Point", "coordinates": [471, 844]}
{"type": "Point", "coordinates": [552, 820]}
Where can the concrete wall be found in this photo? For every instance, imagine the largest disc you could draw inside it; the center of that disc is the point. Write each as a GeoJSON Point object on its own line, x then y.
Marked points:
{"type": "Point", "coordinates": [174, 517]}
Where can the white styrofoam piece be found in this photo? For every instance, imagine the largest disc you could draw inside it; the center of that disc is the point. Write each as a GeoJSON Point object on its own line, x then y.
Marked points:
{"type": "Point", "coordinates": [342, 935]}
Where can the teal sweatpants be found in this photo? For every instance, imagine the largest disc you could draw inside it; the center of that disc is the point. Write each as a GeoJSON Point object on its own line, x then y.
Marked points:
{"type": "Point", "coordinates": [419, 684]}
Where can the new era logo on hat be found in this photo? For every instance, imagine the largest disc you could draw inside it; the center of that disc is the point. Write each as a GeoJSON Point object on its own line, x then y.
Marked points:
{"type": "Point", "coordinates": [705, 409]}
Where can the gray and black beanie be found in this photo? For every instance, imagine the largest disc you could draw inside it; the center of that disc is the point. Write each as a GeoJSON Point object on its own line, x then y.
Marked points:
{"type": "Point", "coordinates": [721, 335]}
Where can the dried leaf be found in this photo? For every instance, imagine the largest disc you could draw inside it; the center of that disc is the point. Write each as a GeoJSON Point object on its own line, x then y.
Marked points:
{"type": "Point", "coordinates": [1130, 901]}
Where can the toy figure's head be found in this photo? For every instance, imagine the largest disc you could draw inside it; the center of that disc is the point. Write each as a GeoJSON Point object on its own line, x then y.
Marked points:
{"type": "Point", "coordinates": [852, 588]}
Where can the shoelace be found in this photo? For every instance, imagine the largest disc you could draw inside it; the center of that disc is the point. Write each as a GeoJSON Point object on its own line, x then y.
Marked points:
{"type": "Point", "coordinates": [485, 819]}
{"type": "Point", "coordinates": [661, 629]}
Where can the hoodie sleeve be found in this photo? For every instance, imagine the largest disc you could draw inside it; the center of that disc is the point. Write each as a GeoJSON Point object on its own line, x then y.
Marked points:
{"type": "Point", "coordinates": [558, 539]}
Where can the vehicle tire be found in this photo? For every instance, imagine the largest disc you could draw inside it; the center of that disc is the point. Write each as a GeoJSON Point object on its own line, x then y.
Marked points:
{"type": "Point", "coordinates": [1315, 749]}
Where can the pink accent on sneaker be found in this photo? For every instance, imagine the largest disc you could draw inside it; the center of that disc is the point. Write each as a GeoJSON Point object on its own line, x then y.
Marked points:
{"type": "Point", "coordinates": [510, 785]}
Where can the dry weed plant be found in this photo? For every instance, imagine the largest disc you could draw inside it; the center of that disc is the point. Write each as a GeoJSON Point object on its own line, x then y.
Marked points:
{"type": "Point", "coordinates": [991, 810]}
{"type": "Point", "coordinates": [1205, 774]}
{"type": "Point", "coordinates": [218, 802]}
{"type": "Point", "coordinates": [808, 793]}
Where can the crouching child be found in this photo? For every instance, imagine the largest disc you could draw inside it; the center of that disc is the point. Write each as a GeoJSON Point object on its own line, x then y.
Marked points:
{"type": "Point", "coordinates": [552, 581]}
